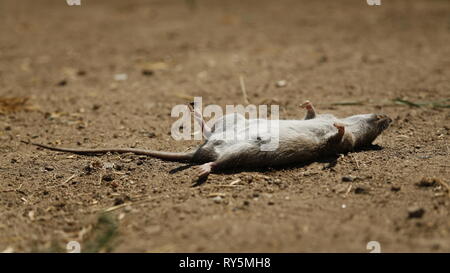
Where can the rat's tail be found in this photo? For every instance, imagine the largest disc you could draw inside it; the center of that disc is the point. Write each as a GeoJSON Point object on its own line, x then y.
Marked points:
{"type": "Point", "coordinates": [157, 154]}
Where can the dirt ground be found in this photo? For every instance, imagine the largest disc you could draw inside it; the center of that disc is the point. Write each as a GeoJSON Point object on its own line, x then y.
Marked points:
{"type": "Point", "coordinates": [107, 73]}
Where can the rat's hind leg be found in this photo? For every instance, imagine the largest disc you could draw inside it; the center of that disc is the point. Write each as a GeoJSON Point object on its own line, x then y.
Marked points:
{"type": "Point", "coordinates": [206, 131]}
{"type": "Point", "coordinates": [311, 112]}
{"type": "Point", "coordinates": [337, 137]}
{"type": "Point", "coordinates": [341, 130]}
{"type": "Point", "coordinates": [343, 139]}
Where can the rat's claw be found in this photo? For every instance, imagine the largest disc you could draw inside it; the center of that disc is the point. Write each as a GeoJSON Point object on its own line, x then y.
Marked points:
{"type": "Point", "coordinates": [307, 104]}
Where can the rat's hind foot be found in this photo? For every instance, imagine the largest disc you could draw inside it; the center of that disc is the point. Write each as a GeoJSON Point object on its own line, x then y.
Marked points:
{"type": "Point", "coordinates": [311, 112]}
{"type": "Point", "coordinates": [342, 141]}
{"type": "Point", "coordinates": [337, 138]}
{"type": "Point", "coordinates": [341, 129]}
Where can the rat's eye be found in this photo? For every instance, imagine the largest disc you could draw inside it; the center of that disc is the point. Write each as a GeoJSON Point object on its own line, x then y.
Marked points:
{"type": "Point", "coordinates": [218, 142]}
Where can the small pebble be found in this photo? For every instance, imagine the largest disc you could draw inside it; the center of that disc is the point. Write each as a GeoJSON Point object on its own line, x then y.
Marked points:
{"type": "Point", "coordinates": [88, 169]}
{"type": "Point", "coordinates": [118, 201]}
{"type": "Point", "coordinates": [361, 190]}
{"type": "Point", "coordinates": [323, 59]}
{"type": "Point", "coordinates": [415, 212]}
{"type": "Point", "coordinates": [121, 77]}
{"type": "Point", "coordinates": [81, 73]}
{"type": "Point", "coordinates": [108, 165]}
{"type": "Point", "coordinates": [62, 83]}
{"type": "Point", "coordinates": [121, 216]}
{"type": "Point", "coordinates": [108, 177]}
{"type": "Point", "coordinates": [281, 83]}
{"type": "Point", "coordinates": [348, 178]}
{"type": "Point", "coordinates": [147, 72]}
{"type": "Point", "coordinates": [217, 199]}
{"type": "Point", "coordinates": [118, 167]}
{"type": "Point", "coordinates": [427, 182]}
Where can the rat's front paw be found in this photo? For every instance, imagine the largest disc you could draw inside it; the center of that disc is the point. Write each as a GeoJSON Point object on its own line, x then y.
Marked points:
{"type": "Point", "coordinates": [204, 170]}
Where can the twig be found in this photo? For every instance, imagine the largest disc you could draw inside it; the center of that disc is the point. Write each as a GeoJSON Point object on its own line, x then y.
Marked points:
{"type": "Point", "coordinates": [214, 194]}
{"type": "Point", "coordinates": [244, 91]}
{"type": "Point", "coordinates": [406, 102]}
{"type": "Point", "coordinates": [347, 103]}
{"type": "Point", "coordinates": [356, 161]}
{"type": "Point", "coordinates": [348, 190]}
{"type": "Point", "coordinates": [235, 182]}
{"type": "Point", "coordinates": [117, 207]}
{"type": "Point", "coordinates": [65, 181]}
{"type": "Point", "coordinates": [100, 178]}
{"type": "Point", "coordinates": [70, 178]}
{"type": "Point", "coordinates": [16, 190]}
{"type": "Point", "coordinates": [129, 204]}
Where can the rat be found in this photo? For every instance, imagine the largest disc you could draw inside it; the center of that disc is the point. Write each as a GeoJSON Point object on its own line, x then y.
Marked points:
{"type": "Point", "coordinates": [295, 141]}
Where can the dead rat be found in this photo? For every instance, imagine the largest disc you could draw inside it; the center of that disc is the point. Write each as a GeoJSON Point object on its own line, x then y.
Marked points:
{"type": "Point", "coordinates": [254, 143]}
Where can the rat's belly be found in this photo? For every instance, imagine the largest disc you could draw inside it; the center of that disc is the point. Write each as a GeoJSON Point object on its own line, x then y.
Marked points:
{"type": "Point", "coordinates": [259, 153]}
{"type": "Point", "coordinates": [272, 143]}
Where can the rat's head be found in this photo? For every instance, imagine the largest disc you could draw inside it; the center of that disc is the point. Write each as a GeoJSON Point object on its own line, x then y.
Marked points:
{"type": "Point", "coordinates": [366, 128]}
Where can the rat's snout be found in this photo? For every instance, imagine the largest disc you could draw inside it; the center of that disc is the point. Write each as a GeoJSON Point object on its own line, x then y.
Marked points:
{"type": "Point", "coordinates": [382, 117]}
{"type": "Point", "coordinates": [382, 120]}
